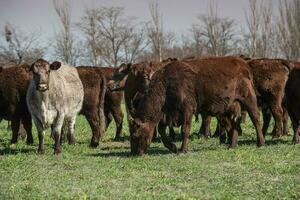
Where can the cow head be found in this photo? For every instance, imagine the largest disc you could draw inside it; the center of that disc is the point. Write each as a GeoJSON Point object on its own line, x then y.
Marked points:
{"type": "Point", "coordinates": [41, 73]}
{"type": "Point", "coordinates": [119, 78]}
{"type": "Point", "coordinates": [141, 137]}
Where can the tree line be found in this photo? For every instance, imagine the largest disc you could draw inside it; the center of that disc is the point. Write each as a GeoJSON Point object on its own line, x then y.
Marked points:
{"type": "Point", "coordinates": [105, 37]}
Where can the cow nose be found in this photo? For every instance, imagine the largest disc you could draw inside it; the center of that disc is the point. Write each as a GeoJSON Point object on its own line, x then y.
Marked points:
{"type": "Point", "coordinates": [111, 86]}
{"type": "Point", "coordinates": [42, 87]}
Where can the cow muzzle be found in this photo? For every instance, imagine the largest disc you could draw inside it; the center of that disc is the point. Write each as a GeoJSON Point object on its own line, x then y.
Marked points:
{"type": "Point", "coordinates": [42, 87]}
{"type": "Point", "coordinates": [112, 86]}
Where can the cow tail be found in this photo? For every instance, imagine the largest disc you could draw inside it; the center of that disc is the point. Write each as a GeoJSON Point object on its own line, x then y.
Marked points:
{"type": "Point", "coordinates": [101, 105]}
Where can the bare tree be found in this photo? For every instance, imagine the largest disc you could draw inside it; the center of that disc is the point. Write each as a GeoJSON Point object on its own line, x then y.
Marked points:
{"type": "Point", "coordinates": [259, 39]}
{"type": "Point", "coordinates": [197, 41]}
{"type": "Point", "coordinates": [289, 29]}
{"type": "Point", "coordinates": [111, 38]}
{"type": "Point", "coordinates": [217, 33]}
{"type": "Point", "coordinates": [89, 27]}
{"type": "Point", "coordinates": [65, 46]}
{"type": "Point", "coordinates": [155, 30]}
{"type": "Point", "coordinates": [17, 46]}
{"type": "Point", "coordinates": [134, 46]}
{"type": "Point", "coordinates": [113, 31]}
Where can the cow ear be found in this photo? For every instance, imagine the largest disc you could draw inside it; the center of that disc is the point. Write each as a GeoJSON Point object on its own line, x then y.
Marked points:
{"type": "Point", "coordinates": [129, 66]}
{"type": "Point", "coordinates": [31, 67]}
{"type": "Point", "coordinates": [55, 65]}
{"type": "Point", "coordinates": [27, 67]}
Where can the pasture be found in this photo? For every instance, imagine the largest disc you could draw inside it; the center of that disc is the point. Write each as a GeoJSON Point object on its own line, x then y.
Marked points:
{"type": "Point", "coordinates": [208, 171]}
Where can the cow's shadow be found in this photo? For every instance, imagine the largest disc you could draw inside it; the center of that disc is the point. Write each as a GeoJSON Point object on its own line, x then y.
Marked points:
{"type": "Point", "coordinates": [268, 142]}
{"type": "Point", "coordinates": [11, 151]}
{"type": "Point", "coordinates": [152, 151]}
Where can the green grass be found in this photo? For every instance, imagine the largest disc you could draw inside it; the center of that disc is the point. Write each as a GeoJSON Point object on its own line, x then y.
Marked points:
{"type": "Point", "coordinates": [208, 171]}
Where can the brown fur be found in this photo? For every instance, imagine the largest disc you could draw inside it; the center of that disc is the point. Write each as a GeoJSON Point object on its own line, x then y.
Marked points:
{"type": "Point", "coordinates": [135, 81]}
{"type": "Point", "coordinates": [182, 88]}
{"type": "Point", "coordinates": [94, 85]}
{"type": "Point", "coordinates": [14, 82]}
{"type": "Point", "coordinates": [270, 76]}
{"type": "Point", "coordinates": [292, 97]}
{"type": "Point", "coordinates": [112, 102]}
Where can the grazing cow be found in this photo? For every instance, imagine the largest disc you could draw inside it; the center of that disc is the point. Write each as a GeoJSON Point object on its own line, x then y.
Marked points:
{"type": "Point", "coordinates": [14, 82]}
{"type": "Point", "coordinates": [54, 97]}
{"type": "Point", "coordinates": [94, 85]}
{"type": "Point", "coordinates": [135, 80]}
{"type": "Point", "coordinates": [112, 102]}
{"type": "Point", "coordinates": [292, 97]}
{"type": "Point", "coordinates": [269, 77]}
{"type": "Point", "coordinates": [182, 88]}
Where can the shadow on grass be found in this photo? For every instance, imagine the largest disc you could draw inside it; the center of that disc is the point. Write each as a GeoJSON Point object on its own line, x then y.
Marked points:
{"type": "Point", "coordinates": [10, 151]}
{"type": "Point", "coordinates": [153, 151]}
{"type": "Point", "coordinates": [268, 142]}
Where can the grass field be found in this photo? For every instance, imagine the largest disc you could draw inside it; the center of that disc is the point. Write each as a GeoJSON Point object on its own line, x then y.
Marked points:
{"type": "Point", "coordinates": [208, 171]}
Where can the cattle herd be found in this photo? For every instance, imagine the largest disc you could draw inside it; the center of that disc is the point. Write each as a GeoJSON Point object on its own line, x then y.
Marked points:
{"type": "Point", "coordinates": [158, 95]}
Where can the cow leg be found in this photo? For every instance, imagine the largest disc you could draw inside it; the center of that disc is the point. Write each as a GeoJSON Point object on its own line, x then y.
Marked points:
{"type": "Point", "coordinates": [239, 128]}
{"type": "Point", "coordinates": [8, 128]}
{"type": "Point", "coordinates": [172, 133]}
{"type": "Point", "coordinates": [296, 129]}
{"type": "Point", "coordinates": [224, 124]}
{"type": "Point", "coordinates": [40, 131]}
{"type": "Point", "coordinates": [244, 116]}
{"type": "Point", "coordinates": [118, 117]}
{"type": "Point", "coordinates": [70, 127]}
{"type": "Point", "coordinates": [108, 119]}
{"type": "Point", "coordinates": [250, 104]}
{"type": "Point", "coordinates": [93, 120]}
{"type": "Point", "coordinates": [27, 123]}
{"type": "Point", "coordinates": [167, 143]}
{"type": "Point", "coordinates": [233, 134]}
{"type": "Point", "coordinates": [205, 126]}
{"type": "Point", "coordinates": [266, 120]}
{"type": "Point", "coordinates": [277, 114]}
{"type": "Point", "coordinates": [185, 129]}
{"type": "Point", "coordinates": [15, 125]}
{"type": "Point", "coordinates": [57, 126]}
{"type": "Point", "coordinates": [285, 121]}
{"type": "Point", "coordinates": [218, 129]}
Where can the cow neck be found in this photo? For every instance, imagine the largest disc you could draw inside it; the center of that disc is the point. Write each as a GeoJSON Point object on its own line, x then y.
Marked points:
{"type": "Point", "coordinates": [151, 106]}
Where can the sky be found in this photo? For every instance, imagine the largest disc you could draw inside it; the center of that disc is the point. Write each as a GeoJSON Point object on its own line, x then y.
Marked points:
{"type": "Point", "coordinates": [178, 15]}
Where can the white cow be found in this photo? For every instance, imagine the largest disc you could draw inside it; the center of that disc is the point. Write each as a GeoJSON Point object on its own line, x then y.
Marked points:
{"type": "Point", "coordinates": [54, 97]}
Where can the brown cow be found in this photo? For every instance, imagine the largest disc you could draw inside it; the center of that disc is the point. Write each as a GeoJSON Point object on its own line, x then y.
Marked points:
{"type": "Point", "coordinates": [292, 97]}
{"type": "Point", "coordinates": [113, 101]}
{"type": "Point", "coordinates": [14, 82]}
{"type": "Point", "coordinates": [270, 76]}
{"type": "Point", "coordinates": [181, 88]}
{"type": "Point", "coordinates": [135, 79]}
{"type": "Point", "coordinates": [94, 85]}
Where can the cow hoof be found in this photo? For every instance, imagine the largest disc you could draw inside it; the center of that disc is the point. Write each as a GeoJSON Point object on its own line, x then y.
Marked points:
{"type": "Point", "coordinates": [275, 137]}
{"type": "Point", "coordinates": [13, 141]}
{"type": "Point", "coordinates": [94, 144]}
{"type": "Point", "coordinates": [182, 152]}
{"type": "Point", "coordinates": [296, 141]}
{"type": "Point", "coordinates": [41, 151]}
{"type": "Point", "coordinates": [232, 146]}
{"type": "Point", "coordinates": [57, 151]}
{"type": "Point", "coordinates": [72, 142]}
{"type": "Point", "coordinates": [29, 141]}
{"type": "Point", "coordinates": [117, 139]}
{"type": "Point", "coordinates": [260, 144]}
